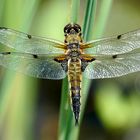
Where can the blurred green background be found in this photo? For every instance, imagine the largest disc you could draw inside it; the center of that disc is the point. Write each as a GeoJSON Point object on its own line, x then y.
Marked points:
{"type": "Point", "coordinates": [29, 107]}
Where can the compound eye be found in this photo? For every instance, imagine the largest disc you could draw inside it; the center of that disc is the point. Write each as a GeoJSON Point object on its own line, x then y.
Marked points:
{"type": "Point", "coordinates": [67, 28]}
{"type": "Point", "coordinates": [77, 28]}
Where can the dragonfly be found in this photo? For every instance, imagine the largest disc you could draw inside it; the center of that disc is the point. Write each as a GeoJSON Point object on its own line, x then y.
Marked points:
{"type": "Point", "coordinates": [51, 59]}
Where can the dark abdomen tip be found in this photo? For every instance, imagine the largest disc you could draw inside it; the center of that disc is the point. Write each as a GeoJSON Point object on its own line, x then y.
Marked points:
{"type": "Point", "coordinates": [76, 106]}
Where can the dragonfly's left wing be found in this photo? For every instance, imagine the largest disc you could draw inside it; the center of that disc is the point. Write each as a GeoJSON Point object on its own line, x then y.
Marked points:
{"type": "Point", "coordinates": [108, 66]}
{"type": "Point", "coordinates": [40, 66]}
{"type": "Point", "coordinates": [30, 44]}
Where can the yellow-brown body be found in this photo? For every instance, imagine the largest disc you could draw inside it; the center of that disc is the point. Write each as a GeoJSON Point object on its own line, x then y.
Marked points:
{"type": "Point", "coordinates": [74, 62]}
{"type": "Point", "coordinates": [75, 78]}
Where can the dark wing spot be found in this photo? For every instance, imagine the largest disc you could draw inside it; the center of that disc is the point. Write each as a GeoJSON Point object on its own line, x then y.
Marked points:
{"type": "Point", "coordinates": [3, 28]}
{"type": "Point", "coordinates": [29, 36]}
{"type": "Point", "coordinates": [93, 59]}
{"type": "Point", "coordinates": [55, 59]}
{"type": "Point", "coordinates": [114, 56]}
{"type": "Point", "coordinates": [35, 56]}
{"type": "Point", "coordinates": [119, 36]}
{"type": "Point", "coordinates": [90, 60]}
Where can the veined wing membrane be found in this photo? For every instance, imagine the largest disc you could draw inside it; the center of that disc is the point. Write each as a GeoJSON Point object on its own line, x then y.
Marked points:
{"type": "Point", "coordinates": [30, 44]}
{"type": "Point", "coordinates": [40, 66]}
{"type": "Point", "coordinates": [113, 66]}
{"type": "Point", "coordinates": [114, 45]}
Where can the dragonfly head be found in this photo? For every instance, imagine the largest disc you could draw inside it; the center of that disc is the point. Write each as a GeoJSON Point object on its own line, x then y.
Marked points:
{"type": "Point", "coordinates": [72, 33]}
{"type": "Point", "coordinates": [72, 28]}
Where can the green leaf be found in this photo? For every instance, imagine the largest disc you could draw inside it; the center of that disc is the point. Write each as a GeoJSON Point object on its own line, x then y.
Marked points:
{"type": "Point", "coordinates": [18, 92]}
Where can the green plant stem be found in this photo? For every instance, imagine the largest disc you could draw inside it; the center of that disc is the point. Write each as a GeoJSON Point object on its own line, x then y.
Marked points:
{"type": "Point", "coordinates": [87, 31]}
{"type": "Point", "coordinates": [89, 19]}
{"type": "Point", "coordinates": [75, 10]}
{"type": "Point", "coordinates": [101, 21]}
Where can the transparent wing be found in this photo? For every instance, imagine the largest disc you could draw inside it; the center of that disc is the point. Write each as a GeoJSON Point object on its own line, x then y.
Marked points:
{"type": "Point", "coordinates": [40, 66]}
{"type": "Point", "coordinates": [30, 44]}
{"type": "Point", "coordinates": [114, 45]}
{"type": "Point", "coordinates": [113, 66]}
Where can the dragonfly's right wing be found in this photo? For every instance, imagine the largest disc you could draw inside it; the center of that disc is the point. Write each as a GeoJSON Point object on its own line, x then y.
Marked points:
{"type": "Point", "coordinates": [40, 66]}
{"type": "Point", "coordinates": [114, 56]}
{"type": "Point", "coordinates": [30, 44]}
{"type": "Point", "coordinates": [109, 66]}
{"type": "Point", "coordinates": [114, 45]}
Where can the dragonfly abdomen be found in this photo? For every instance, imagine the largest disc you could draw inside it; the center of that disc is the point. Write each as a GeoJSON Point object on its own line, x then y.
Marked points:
{"type": "Point", "coordinates": [75, 78]}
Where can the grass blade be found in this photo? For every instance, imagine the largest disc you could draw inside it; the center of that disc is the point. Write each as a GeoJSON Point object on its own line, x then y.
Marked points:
{"type": "Point", "coordinates": [89, 19]}
{"type": "Point", "coordinates": [75, 10]}
{"type": "Point", "coordinates": [101, 21]}
{"type": "Point", "coordinates": [17, 92]}
{"type": "Point", "coordinates": [87, 31]}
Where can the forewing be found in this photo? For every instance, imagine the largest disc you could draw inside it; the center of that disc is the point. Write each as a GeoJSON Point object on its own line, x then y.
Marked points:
{"type": "Point", "coordinates": [30, 44]}
{"type": "Point", "coordinates": [114, 45]}
{"type": "Point", "coordinates": [39, 66]}
{"type": "Point", "coordinates": [113, 66]}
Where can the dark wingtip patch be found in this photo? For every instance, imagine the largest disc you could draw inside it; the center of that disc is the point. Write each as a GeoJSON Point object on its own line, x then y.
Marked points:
{"type": "Point", "coordinates": [35, 56]}
{"type": "Point", "coordinates": [119, 36]}
{"type": "Point", "coordinates": [29, 36]}
{"type": "Point", "coordinates": [114, 56]}
{"type": "Point", "coordinates": [1, 28]}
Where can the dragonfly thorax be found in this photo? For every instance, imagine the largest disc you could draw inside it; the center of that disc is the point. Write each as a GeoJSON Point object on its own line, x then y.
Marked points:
{"type": "Point", "coordinates": [73, 51]}
{"type": "Point", "coordinates": [73, 38]}
{"type": "Point", "coordinates": [73, 46]}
